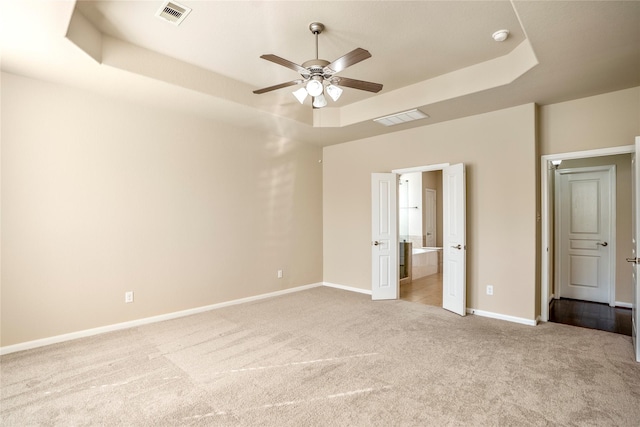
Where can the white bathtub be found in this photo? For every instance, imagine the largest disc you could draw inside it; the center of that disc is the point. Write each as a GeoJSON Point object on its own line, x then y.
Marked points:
{"type": "Point", "coordinates": [424, 262]}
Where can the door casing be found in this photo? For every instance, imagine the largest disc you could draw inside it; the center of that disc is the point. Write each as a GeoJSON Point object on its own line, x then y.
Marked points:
{"type": "Point", "coordinates": [546, 212]}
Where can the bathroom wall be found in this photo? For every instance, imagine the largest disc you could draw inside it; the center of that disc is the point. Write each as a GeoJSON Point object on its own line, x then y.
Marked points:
{"type": "Point", "coordinates": [433, 180]}
{"type": "Point", "coordinates": [410, 208]}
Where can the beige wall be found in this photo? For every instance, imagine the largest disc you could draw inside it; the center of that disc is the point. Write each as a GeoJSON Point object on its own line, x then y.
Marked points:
{"type": "Point", "coordinates": [100, 196]}
{"type": "Point", "coordinates": [609, 120]}
{"type": "Point", "coordinates": [499, 152]}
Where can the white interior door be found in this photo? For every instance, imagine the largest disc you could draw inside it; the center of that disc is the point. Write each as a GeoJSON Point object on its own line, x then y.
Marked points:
{"type": "Point", "coordinates": [585, 201]}
{"type": "Point", "coordinates": [384, 236]}
{"type": "Point", "coordinates": [454, 287]}
{"type": "Point", "coordinates": [635, 302]}
{"type": "Point", "coordinates": [430, 217]}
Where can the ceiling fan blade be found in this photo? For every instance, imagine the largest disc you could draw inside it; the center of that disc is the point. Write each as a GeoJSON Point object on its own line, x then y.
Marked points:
{"type": "Point", "coordinates": [347, 60]}
{"type": "Point", "coordinates": [286, 63]}
{"type": "Point", "coordinates": [276, 87]}
{"type": "Point", "coordinates": [357, 84]}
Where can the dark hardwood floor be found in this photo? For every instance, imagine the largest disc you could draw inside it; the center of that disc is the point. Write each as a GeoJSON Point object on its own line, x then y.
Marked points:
{"type": "Point", "coordinates": [591, 315]}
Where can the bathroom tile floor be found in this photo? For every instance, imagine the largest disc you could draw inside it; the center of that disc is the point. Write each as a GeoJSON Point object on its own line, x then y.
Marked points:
{"type": "Point", "coordinates": [425, 290]}
{"type": "Point", "coordinates": [591, 315]}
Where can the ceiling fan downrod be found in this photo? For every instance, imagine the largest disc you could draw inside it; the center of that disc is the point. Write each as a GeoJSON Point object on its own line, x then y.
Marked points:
{"type": "Point", "coordinates": [316, 28]}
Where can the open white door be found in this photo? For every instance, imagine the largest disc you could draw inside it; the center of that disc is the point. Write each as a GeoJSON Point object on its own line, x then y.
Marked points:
{"type": "Point", "coordinates": [635, 302]}
{"type": "Point", "coordinates": [384, 236]}
{"type": "Point", "coordinates": [454, 287]}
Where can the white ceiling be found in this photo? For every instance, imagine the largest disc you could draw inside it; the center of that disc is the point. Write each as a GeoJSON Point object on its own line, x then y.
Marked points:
{"type": "Point", "coordinates": [434, 55]}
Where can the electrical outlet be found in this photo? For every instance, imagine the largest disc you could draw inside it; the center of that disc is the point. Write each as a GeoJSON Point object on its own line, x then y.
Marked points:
{"type": "Point", "coordinates": [489, 290]}
{"type": "Point", "coordinates": [279, 274]}
{"type": "Point", "coordinates": [128, 296]}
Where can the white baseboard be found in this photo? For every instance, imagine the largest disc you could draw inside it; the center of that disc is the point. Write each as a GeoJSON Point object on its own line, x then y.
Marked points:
{"type": "Point", "coordinates": [139, 322]}
{"type": "Point", "coordinates": [347, 288]}
{"type": "Point", "coordinates": [499, 316]}
{"type": "Point", "coordinates": [624, 304]}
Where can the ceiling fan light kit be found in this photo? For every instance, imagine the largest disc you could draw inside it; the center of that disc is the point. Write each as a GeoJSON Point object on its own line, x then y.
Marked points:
{"type": "Point", "coordinates": [314, 86]}
{"type": "Point", "coordinates": [318, 75]}
{"type": "Point", "coordinates": [334, 92]}
{"type": "Point", "coordinates": [319, 101]}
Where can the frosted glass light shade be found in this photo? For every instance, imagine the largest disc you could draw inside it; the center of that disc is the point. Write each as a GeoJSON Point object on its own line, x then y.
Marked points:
{"type": "Point", "coordinates": [300, 94]}
{"type": "Point", "coordinates": [334, 92]}
{"type": "Point", "coordinates": [319, 101]}
{"type": "Point", "coordinates": [314, 87]}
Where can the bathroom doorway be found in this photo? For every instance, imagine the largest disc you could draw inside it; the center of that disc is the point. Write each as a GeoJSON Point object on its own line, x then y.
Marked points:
{"type": "Point", "coordinates": [420, 236]}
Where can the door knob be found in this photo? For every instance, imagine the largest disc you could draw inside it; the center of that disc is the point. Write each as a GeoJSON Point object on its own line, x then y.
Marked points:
{"type": "Point", "coordinates": [633, 260]}
{"type": "Point", "coordinates": [376, 243]}
{"type": "Point", "coordinates": [602, 244]}
{"type": "Point", "coordinates": [457, 247]}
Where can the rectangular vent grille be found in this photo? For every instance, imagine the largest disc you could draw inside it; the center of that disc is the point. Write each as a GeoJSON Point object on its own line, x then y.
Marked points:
{"type": "Point", "coordinates": [173, 12]}
{"type": "Point", "coordinates": [399, 118]}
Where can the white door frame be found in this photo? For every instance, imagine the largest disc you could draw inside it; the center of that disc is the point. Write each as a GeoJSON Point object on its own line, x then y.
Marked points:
{"type": "Point", "coordinates": [611, 251]}
{"type": "Point", "coordinates": [546, 168]}
{"type": "Point", "coordinates": [427, 168]}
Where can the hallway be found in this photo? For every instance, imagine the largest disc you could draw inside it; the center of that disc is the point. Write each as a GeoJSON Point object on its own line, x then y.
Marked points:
{"type": "Point", "coordinates": [591, 315]}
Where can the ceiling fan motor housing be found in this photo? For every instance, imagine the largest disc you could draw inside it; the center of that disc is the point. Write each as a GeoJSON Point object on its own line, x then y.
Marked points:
{"type": "Point", "coordinates": [315, 66]}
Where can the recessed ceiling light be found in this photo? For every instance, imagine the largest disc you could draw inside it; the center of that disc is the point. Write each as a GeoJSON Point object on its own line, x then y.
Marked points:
{"type": "Point", "coordinates": [404, 117]}
{"type": "Point", "coordinates": [500, 35]}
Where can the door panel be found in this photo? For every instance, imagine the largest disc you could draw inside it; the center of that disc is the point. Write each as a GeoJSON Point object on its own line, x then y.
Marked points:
{"type": "Point", "coordinates": [454, 293]}
{"type": "Point", "coordinates": [384, 236]}
{"type": "Point", "coordinates": [585, 198]}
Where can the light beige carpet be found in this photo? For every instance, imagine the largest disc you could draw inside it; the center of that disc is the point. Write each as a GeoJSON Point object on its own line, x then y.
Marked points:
{"type": "Point", "coordinates": [326, 357]}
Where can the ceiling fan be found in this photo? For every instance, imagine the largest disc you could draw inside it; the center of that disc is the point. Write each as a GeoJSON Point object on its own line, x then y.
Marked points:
{"type": "Point", "coordinates": [319, 75]}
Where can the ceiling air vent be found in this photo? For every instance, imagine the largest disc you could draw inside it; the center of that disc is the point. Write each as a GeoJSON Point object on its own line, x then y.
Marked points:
{"type": "Point", "coordinates": [173, 12]}
{"type": "Point", "coordinates": [404, 117]}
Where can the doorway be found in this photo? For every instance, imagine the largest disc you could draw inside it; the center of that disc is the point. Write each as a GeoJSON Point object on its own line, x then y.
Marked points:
{"type": "Point", "coordinates": [585, 240]}
{"type": "Point", "coordinates": [611, 309]}
{"type": "Point", "coordinates": [420, 233]}
{"type": "Point", "coordinates": [384, 235]}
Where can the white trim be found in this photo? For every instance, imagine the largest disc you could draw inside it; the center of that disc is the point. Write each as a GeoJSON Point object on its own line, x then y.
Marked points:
{"type": "Point", "coordinates": [499, 316]}
{"type": "Point", "coordinates": [139, 322]}
{"type": "Point", "coordinates": [428, 168]}
{"type": "Point", "coordinates": [624, 304]}
{"type": "Point", "coordinates": [545, 167]}
{"type": "Point", "coordinates": [347, 288]}
{"type": "Point", "coordinates": [550, 299]}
